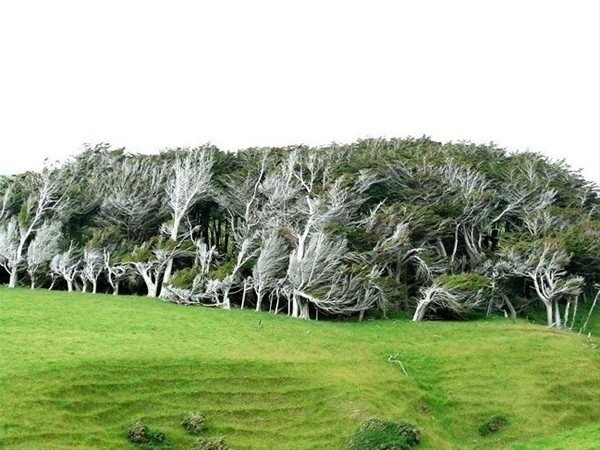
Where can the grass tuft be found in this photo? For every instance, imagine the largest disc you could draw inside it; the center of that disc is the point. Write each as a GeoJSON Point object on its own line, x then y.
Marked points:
{"type": "Point", "coordinates": [494, 424]}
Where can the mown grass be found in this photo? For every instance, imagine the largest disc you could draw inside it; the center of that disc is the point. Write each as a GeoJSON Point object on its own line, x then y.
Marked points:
{"type": "Point", "coordinates": [76, 370]}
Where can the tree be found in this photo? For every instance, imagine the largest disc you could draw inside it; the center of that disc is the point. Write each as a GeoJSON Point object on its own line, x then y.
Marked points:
{"type": "Point", "coordinates": [133, 199]}
{"type": "Point", "coordinates": [456, 293]}
{"type": "Point", "coordinates": [116, 271]}
{"type": "Point", "coordinates": [65, 265]}
{"type": "Point", "coordinates": [16, 235]}
{"type": "Point", "coordinates": [41, 250]}
{"type": "Point", "coordinates": [189, 181]}
{"type": "Point", "coordinates": [544, 264]}
{"type": "Point", "coordinates": [270, 266]}
{"type": "Point", "coordinates": [92, 265]}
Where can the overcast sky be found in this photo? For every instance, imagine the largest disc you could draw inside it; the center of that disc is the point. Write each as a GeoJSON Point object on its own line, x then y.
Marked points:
{"type": "Point", "coordinates": [149, 75]}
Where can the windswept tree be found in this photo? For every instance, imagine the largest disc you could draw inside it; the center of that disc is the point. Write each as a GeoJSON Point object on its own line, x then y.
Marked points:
{"type": "Point", "coordinates": [65, 265]}
{"type": "Point", "coordinates": [189, 181]}
{"type": "Point", "coordinates": [271, 265]}
{"type": "Point", "coordinates": [133, 203]}
{"type": "Point", "coordinates": [44, 246]}
{"type": "Point", "coordinates": [455, 294]}
{"type": "Point", "coordinates": [116, 271]}
{"type": "Point", "coordinates": [17, 233]}
{"type": "Point", "coordinates": [92, 266]}
{"type": "Point", "coordinates": [544, 264]}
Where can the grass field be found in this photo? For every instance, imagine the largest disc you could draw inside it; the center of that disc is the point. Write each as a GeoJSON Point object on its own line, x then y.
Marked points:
{"type": "Point", "coordinates": [76, 370]}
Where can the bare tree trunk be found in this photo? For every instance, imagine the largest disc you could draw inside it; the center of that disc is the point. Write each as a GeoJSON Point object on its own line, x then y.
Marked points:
{"type": "Point", "coordinates": [94, 286]}
{"type": "Point", "coordinates": [557, 320]}
{"type": "Point", "coordinates": [259, 297]}
{"type": "Point", "coordinates": [420, 311]}
{"type": "Point", "coordinates": [277, 303]}
{"type": "Point", "coordinates": [549, 314]}
{"type": "Point", "coordinates": [168, 270]}
{"type": "Point", "coordinates": [152, 288]}
{"type": "Point", "coordinates": [244, 295]}
{"type": "Point", "coordinates": [294, 305]}
{"type": "Point", "coordinates": [574, 313]}
{"type": "Point", "coordinates": [511, 308]}
{"type": "Point", "coordinates": [590, 312]}
{"type": "Point", "coordinates": [14, 277]}
{"type": "Point", "coordinates": [116, 288]}
{"type": "Point", "coordinates": [69, 285]}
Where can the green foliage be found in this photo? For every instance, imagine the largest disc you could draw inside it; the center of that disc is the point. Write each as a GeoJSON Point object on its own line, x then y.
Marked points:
{"type": "Point", "coordinates": [384, 435]}
{"type": "Point", "coordinates": [395, 292]}
{"type": "Point", "coordinates": [210, 443]}
{"type": "Point", "coordinates": [220, 272]}
{"type": "Point", "coordinates": [184, 278]}
{"type": "Point", "coordinates": [141, 253]}
{"type": "Point", "coordinates": [582, 242]}
{"type": "Point", "coordinates": [455, 206]}
{"type": "Point", "coordinates": [492, 425]}
{"type": "Point", "coordinates": [194, 423]}
{"type": "Point", "coordinates": [468, 282]}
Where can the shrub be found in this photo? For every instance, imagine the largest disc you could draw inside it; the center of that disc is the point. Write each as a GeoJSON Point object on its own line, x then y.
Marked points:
{"type": "Point", "coordinates": [210, 443]}
{"type": "Point", "coordinates": [142, 435]}
{"type": "Point", "coordinates": [492, 425]}
{"type": "Point", "coordinates": [383, 435]}
{"type": "Point", "coordinates": [194, 423]}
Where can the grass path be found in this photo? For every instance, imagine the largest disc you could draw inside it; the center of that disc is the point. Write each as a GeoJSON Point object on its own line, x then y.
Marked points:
{"type": "Point", "coordinates": [76, 369]}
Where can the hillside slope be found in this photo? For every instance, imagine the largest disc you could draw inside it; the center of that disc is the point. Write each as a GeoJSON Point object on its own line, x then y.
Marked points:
{"type": "Point", "coordinates": [76, 370]}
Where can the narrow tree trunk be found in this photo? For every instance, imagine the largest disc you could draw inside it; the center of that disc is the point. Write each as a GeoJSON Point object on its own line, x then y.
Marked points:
{"type": "Point", "coordinates": [511, 308]}
{"type": "Point", "coordinates": [94, 286]}
{"type": "Point", "coordinates": [277, 304]}
{"type": "Point", "coordinates": [576, 299]}
{"type": "Point", "coordinates": [244, 295]}
{"type": "Point", "coordinates": [294, 305]}
{"type": "Point", "coordinates": [116, 288]}
{"type": "Point", "coordinates": [549, 315]}
{"type": "Point", "coordinates": [168, 270]}
{"type": "Point", "coordinates": [557, 319]}
{"type": "Point", "coordinates": [69, 285]}
{"type": "Point", "coordinates": [259, 296]}
{"type": "Point", "coordinates": [32, 283]}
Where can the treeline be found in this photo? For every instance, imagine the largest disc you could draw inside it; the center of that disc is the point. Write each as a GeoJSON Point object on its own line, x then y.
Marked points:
{"type": "Point", "coordinates": [401, 224]}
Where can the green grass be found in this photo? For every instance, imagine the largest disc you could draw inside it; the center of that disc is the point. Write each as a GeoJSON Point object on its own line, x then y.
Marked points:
{"type": "Point", "coordinates": [76, 370]}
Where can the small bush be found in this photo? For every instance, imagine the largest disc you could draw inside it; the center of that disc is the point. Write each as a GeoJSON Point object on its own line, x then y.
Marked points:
{"type": "Point", "coordinates": [210, 443]}
{"type": "Point", "coordinates": [492, 425]}
{"type": "Point", "coordinates": [382, 435]}
{"type": "Point", "coordinates": [194, 423]}
{"type": "Point", "coordinates": [142, 435]}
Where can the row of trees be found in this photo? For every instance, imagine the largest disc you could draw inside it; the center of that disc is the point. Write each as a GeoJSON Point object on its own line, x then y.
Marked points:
{"type": "Point", "coordinates": [404, 224]}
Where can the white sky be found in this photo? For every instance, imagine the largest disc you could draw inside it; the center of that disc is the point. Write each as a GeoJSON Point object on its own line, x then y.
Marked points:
{"type": "Point", "coordinates": [149, 75]}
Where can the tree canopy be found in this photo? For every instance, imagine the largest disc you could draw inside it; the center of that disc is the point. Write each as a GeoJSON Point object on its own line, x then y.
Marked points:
{"type": "Point", "coordinates": [378, 225]}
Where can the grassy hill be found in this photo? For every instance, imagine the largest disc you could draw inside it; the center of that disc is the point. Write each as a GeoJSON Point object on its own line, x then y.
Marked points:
{"type": "Point", "coordinates": [76, 370]}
